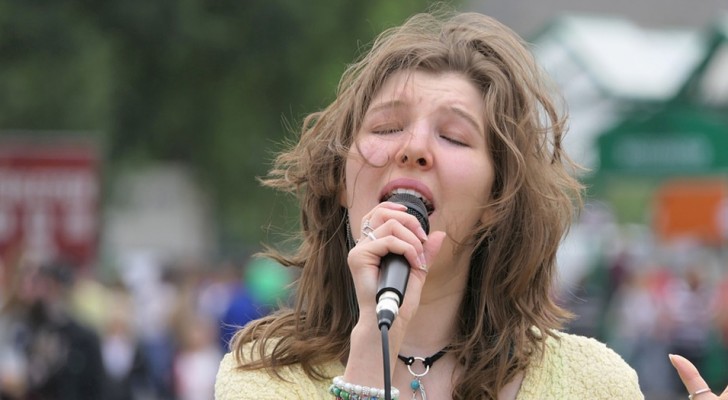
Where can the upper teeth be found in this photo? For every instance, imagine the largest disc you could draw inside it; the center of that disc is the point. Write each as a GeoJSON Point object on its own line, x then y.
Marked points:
{"type": "Point", "coordinates": [410, 192]}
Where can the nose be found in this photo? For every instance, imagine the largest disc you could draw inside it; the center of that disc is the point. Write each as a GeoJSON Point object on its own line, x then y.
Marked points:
{"type": "Point", "coordinates": [416, 150]}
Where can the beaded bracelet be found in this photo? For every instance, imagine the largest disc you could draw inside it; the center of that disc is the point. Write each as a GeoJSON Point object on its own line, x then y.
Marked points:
{"type": "Point", "coordinates": [343, 390]}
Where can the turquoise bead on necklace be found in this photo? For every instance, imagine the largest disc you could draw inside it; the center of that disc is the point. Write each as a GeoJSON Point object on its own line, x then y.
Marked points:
{"type": "Point", "coordinates": [416, 383]}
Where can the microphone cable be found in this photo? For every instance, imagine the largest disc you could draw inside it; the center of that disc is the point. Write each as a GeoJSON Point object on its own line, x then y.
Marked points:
{"type": "Point", "coordinates": [385, 362]}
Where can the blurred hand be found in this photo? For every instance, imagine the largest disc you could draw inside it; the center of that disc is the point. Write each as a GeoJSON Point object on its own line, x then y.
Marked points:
{"type": "Point", "coordinates": [693, 381]}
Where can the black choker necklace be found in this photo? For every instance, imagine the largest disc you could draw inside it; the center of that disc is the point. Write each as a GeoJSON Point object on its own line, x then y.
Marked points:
{"type": "Point", "coordinates": [416, 383]}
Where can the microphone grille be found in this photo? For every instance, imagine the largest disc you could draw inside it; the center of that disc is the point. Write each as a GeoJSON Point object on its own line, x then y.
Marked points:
{"type": "Point", "coordinates": [415, 207]}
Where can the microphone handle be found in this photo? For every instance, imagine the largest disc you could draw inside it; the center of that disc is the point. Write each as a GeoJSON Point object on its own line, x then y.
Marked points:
{"type": "Point", "coordinates": [393, 276]}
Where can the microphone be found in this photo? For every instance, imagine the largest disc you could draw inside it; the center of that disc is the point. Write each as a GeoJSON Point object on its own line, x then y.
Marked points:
{"type": "Point", "coordinates": [394, 268]}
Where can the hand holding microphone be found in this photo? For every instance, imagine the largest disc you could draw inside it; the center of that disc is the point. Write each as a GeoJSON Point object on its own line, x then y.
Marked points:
{"type": "Point", "coordinates": [394, 271]}
{"type": "Point", "coordinates": [394, 244]}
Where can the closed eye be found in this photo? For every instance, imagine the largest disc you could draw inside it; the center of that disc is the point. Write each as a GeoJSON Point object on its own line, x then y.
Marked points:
{"type": "Point", "coordinates": [454, 141]}
{"type": "Point", "coordinates": [384, 131]}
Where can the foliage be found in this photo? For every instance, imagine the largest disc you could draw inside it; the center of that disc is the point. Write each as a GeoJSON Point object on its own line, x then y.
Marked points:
{"type": "Point", "coordinates": [209, 83]}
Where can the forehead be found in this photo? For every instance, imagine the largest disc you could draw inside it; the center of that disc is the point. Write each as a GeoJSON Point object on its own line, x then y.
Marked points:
{"type": "Point", "coordinates": [416, 88]}
{"type": "Point", "coordinates": [417, 92]}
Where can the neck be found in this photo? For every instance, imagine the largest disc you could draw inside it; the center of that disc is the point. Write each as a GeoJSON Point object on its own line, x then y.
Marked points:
{"type": "Point", "coordinates": [434, 324]}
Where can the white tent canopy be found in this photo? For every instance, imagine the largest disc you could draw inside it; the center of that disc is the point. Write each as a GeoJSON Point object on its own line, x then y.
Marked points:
{"type": "Point", "coordinates": [601, 64]}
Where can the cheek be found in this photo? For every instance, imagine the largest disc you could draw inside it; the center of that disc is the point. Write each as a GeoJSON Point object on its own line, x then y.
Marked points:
{"type": "Point", "coordinates": [356, 162]}
{"type": "Point", "coordinates": [373, 151]}
{"type": "Point", "coordinates": [366, 154]}
{"type": "Point", "coordinates": [474, 177]}
{"type": "Point", "coordinates": [474, 185]}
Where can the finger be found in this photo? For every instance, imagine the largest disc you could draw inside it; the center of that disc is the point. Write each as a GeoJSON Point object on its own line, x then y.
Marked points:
{"type": "Point", "coordinates": [433, 245]}
{"type": "Point", "coordinates": [401, 241]}
{"type": "Point", "coordinates": [431, 248]}
{"type": "Point", "coordinates": [372, 216]}
{"type": "Point", "coordinates": [388, 210]}
{"type": "Point", "coordinates": [387, 205]}
{"type": "Point", "coordinates": [689, 375]}
{"type": "Point", "coordinates": [390, 237]}
{"type": "Point", "coordinates": [393, 206]}
{"type": "Point", "coordinates": [414, 224]}
{"type": "Point", "coordinates": [391, 226]}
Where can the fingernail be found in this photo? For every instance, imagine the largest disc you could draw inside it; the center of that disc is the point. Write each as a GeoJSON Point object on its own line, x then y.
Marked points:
{"type": "Point", "coordinates": [422, 234]}
{"type": "Point", "coordinates": [672, 359]}
{"type": "Point", "coordinates": [423, 261]}
{"type": "Point", "coordinates": [397, 205]}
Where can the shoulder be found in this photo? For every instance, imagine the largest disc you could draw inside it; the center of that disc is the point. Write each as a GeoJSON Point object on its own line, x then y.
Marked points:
{"type": "Point", "coordinates": [290, 383]}
{"type": "Point", "coordinates": [577, 366]}
{"type": "Point", "coordinates": [577, 349]}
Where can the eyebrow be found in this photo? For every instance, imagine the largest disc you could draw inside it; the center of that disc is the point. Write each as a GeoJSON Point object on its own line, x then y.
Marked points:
{"type": "Point", "coordinates": [394, 104]}
{"type": "Point", "coordinates": [467, 117]}
{"type": "Point", "coordinates": [386, 105]}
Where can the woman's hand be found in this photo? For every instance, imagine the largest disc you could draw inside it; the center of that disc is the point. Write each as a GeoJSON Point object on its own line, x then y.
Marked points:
{"type": "Point", "coordinates": [387, 228]}
{"type": "Point", "coordinates": [695, 384]}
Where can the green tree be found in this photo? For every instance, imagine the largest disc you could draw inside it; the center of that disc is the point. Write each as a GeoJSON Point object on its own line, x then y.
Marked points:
{"type": "Point", "coordinates": [212, 84]}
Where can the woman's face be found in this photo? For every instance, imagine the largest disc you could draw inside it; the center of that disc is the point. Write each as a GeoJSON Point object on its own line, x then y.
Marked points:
{"type": "Point", "coordinates": [424, 132]}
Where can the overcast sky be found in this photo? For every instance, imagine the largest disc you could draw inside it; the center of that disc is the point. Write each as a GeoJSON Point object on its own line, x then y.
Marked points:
{"type": "Point", "coordinates": [528, 16]}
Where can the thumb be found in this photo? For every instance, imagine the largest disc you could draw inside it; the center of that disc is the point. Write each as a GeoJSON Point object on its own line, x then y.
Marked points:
{"type": "Point", "coordinates": [433, 245]}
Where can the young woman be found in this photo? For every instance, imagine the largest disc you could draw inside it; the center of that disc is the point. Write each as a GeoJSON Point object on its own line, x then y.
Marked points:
{"type": "Point", "coordinates": [454, 110]}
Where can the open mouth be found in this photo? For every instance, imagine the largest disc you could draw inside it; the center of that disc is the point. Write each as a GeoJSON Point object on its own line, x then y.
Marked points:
{"type": "Point", "coordinates": [428, 204]}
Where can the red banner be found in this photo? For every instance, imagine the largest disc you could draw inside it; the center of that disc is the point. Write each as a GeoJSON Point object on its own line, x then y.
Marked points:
{"type": "Point", "coordinates": [49, 200]}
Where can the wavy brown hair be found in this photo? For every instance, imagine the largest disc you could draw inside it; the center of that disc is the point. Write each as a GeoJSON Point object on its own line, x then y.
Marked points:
{"type": "Point", "coordinates": [507, 310]}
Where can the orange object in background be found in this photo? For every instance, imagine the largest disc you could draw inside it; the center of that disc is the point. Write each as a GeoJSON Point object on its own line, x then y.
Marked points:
{"type": "Point", "coordinates": [696, 209]}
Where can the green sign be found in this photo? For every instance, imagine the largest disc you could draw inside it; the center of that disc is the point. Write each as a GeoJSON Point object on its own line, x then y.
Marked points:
{"type": "Point", "coordinates": [670, 143]}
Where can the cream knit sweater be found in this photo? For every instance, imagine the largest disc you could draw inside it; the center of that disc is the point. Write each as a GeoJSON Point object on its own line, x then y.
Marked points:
{"type": "Point", "coordinates": [573, 367]}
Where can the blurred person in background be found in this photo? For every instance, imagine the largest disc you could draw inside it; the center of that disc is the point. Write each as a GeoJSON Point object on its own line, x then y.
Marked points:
{"type": "Point", "coordinates": [636, 330]}
{"type": "Point", "coordinates": [13, 360]}
{"type": "Point", "coordinates": [63, 357]}
{"type": "Point", "coordinates": [217, 293]}
{"type": "Point", "coordinates": [197, 358]}
{"type": "Point", "coordinates": [586, 299]}
{"type": "Point", "coordinates": [690, 319]}
{"type": "Point", "coordinates": [195, 337]}
{"type": "Point", "coordinates": [719, 357]}
{"type": "Point", "coordinates": [263, 287]}
{"type": "Point", "coordinates": [155, 291]}
{"type": "Point", "coordinates": [689, 315]}
{"type": "Point", "coordinates": [127, 374]}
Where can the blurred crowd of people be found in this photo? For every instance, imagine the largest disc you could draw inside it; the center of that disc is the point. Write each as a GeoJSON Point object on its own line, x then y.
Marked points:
{"type": "Point", "coordinates": [647, 298]}
{"type": "Point", "coordinates": [159, 333]}
{"type": "Point", "coordinates": [151, 333]}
